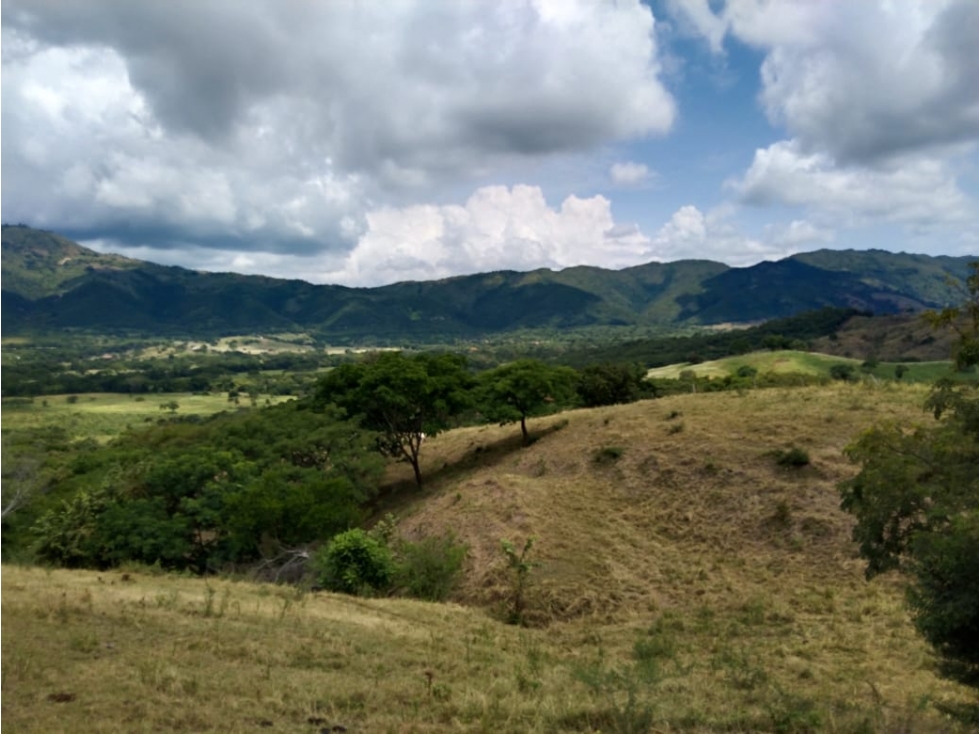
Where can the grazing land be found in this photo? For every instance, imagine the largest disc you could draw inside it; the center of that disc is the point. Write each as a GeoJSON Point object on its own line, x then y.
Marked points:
{"type": "Point", "coordinates": [811, 364]}
{"type": "Point", "coordinates": [687, 581]}
{"type": "Point", "coordinates": [103, 416]}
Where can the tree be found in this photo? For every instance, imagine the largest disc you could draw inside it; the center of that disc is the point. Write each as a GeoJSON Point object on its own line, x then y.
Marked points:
{"type": "Point", "coordinates": [171, 405]}
{"type": "Point", "coordinates": [610, 384]}
{"type": "Point", "coordinates": [515, 391]}
{"type": "Point", "coordinates": [916, 502]}
{"type": "Point", "coordinates": [405, 399]}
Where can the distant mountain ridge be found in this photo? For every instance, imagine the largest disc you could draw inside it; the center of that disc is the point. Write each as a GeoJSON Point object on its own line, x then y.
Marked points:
{"type": "Point", "coordinates": [50, 282]}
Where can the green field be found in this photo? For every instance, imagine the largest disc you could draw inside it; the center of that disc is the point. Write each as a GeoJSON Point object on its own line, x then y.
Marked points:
{"type": "Point", "coordinates": [103, 416]}
{"type": "Point", "coordinates": [805, 363]}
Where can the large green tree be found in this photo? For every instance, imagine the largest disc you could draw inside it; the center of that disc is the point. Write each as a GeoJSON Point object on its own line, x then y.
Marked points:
{"type": "Point", "coordinates": [528, 387]}
{"type": "Point", "coordinates": [406, 399]}
{"type": "Point", "coordinates": [916, 502]}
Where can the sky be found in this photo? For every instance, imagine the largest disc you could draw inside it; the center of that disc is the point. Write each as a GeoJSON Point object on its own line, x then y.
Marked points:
{"type": "Point", "coordinates": [364, 142]}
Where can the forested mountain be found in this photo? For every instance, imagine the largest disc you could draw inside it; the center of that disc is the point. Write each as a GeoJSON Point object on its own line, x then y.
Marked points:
{"type": "Point", "coordinates": [50, 282]}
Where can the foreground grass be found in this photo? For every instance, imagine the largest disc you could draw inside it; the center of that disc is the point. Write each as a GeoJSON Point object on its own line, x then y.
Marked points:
{"type": "Point", "coordinates": [103, 416]}
{"type": "Point", "coordinates": [687, 583]}
{"type": "Point", "coordinates": [124, 652]}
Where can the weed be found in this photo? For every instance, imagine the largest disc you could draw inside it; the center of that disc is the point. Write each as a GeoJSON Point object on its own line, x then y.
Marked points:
{"type": "Point", "coordinates": [782, 516]}
{"type": "Point", "coordinates": [673, 415]}
{"type": "Point", "coordinates": [520, 567]}
{"type": "Point", "coordinates": [792, 714]}
{"type": "Point", "coordinates": [675, 429]}
{"type": "Point", "coordinates": [607, 454]}
{"type": "Point", "coordinates": [793, 457]}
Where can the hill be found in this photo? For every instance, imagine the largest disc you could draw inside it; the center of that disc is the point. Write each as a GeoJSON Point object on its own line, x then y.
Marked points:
{"type": "Point", "coordinates": [787, 361]}
{"type": "Point", "coordinates": [52, 283]}
{"type": "Point", "coordinates": [687, 582]}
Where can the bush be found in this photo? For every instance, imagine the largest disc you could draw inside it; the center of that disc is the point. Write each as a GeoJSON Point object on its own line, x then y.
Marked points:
{"type": "Point", "coordinates": [429, 569]}
{"type": "Point", "coordinates": [354, 562]}
{"type": "Point", "coordinates": [607, 454]}
{"type": "Point", "coordinates": [842, 371]}
{"type": "Point", "coordinates": [793, 457]}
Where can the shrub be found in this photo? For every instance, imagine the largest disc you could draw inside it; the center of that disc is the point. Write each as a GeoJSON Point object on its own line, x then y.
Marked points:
{"type": "Point", "coordinates": [430, 569]}
{"type": "Point", "coordinates": [842, 371]}
{"type": "Point", "coordinates": [354, 562]}
{"type": "Point", "coordinates": [608, 454]}
{"type": "Point", "coordinates": [793, 457]}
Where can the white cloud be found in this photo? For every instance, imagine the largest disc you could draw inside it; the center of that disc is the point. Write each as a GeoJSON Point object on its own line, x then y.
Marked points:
{"type": "Point", "coordinates": [497, 228]}
{"type": "Point", "coordinates": [860, 81]}
{"type": "Point", "coordinates": [629, 173]}
{"type": "Point", "coordinates": [692, 234]}
{"type": "Point", "coordinates": [919, 191]}
{"type": "Point", "coordinates": [276, 127]}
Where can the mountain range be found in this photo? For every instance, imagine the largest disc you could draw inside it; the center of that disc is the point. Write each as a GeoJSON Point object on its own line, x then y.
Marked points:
{"type": "Point", "coordinates": [50, 282]}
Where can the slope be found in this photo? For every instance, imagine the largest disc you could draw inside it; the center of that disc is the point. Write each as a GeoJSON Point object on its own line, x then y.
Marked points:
{"type": "Point", "coordinates": [688, 583]}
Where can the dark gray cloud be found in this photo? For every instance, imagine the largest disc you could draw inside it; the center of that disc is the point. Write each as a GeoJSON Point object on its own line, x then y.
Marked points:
{"type": "Point", "coordinates": [276, 126]}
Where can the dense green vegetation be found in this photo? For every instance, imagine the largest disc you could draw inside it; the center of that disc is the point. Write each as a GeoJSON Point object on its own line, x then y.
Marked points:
{"type": "Point", "coordinates": [50, 284]}
{"type": "Point", "coordinates": [916, 500]}
{"type": "Point", "coordinates": [193, 494]}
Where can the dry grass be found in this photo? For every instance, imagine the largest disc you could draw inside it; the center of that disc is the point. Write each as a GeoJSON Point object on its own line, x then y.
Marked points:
{"type": "Point", "coordinates": [735, 576]}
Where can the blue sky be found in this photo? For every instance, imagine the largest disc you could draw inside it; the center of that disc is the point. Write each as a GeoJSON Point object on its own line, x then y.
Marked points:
{"type": "Point", "coordinates": [370, 142]}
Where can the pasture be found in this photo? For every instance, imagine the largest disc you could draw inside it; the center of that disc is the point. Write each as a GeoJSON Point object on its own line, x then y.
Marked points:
{"type": "Point", "coordinates": [103, 416]}
{"type": "Point", "coordinates": [811, 364]}
{"type": "Point", "coordinates": [686, 582]}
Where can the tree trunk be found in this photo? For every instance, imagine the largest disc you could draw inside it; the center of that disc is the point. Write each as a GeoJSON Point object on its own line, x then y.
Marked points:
{"type": "Point", "coordinates": [523, 428]}
{"type": "Point", "coordinates": [418, 471]}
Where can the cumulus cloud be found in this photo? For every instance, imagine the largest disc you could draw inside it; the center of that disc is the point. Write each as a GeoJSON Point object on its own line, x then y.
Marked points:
{"type": "Point", "coordinates": [276, 127]}
{"type": "Point", "coordinates": [497, 228]}
{"type": "Point", "coordinates": [914, 190]}
{"type": "Point", "coordinates": [879, 101]}
{"type": "Point", "coordinates": [860, 81]}
{"type": "Point", "coordinates": [693, 234]}
{"type": "Point", "coordinates": [629, 174]}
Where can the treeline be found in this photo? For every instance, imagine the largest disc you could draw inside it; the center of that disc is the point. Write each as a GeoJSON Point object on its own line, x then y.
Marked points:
{"type": "Point", "coordinates": [207, 494]}
{"type": "Point", "coordinates": [193, 494]}
{"type": "Point", "coordinates": [53, 375]}
{"type": "Point", "coordinates": [794, 332]}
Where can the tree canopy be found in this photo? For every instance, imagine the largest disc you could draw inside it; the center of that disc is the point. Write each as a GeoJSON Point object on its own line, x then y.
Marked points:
{"type": "Point", "coordinates": [916, 501]}
{"type": "Point", "coordinates": [515, 391]}
{"type": "Point", "coordinates": [404, 398]}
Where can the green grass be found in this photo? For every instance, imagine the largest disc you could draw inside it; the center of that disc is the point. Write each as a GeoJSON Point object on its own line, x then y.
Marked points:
{"type": "Point", "coordinates": [806, 363]}
{"type": "Point", "coordinates": [103, 416]}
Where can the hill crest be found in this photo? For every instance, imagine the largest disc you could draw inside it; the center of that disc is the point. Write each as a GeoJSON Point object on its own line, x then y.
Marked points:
{"type": "Point", "coordinates": [50, 282]}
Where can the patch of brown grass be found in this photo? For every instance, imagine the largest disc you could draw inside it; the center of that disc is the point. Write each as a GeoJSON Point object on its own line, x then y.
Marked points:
{"type": "Point", "coordinates": [688, 583]}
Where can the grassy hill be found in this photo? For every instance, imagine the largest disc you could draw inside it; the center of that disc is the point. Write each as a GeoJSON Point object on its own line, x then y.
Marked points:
{"type": "Point", "coordinates": [687, 583]}
{"type": "Point", "coordinates": [787, 361]}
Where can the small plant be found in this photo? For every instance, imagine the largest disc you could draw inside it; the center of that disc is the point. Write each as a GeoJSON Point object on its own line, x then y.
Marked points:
{"type": "Point", "coordinates": [782, 516]}
{"type": "Point", "coordinates": [430, 569]}
{"type": "Point", "coordinates": [520, 568]}
{"type": "Point", "coordinates": [675, 428]}
{"type": "Point", "coordinates": [794, 457]}
{"type": "Point", "coordinates": [607, 454]}
{"type": "Point", "coordinates": [673, 415]}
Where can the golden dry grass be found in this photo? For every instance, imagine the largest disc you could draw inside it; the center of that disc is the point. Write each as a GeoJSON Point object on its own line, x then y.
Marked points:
{"type": "Point", "coordinates": [735, 576]}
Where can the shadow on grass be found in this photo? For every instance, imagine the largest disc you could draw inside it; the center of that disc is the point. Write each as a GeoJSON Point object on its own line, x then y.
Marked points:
{"type": "Point", "coordinates": [398, 494]}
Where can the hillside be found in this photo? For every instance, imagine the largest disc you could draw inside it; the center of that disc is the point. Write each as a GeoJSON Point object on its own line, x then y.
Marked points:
{"type": "Point", "coordinates": [52, 283]}
{"type": "Point", "coordinates": [686, 583]}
